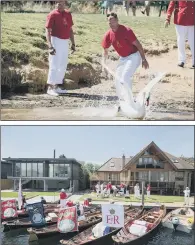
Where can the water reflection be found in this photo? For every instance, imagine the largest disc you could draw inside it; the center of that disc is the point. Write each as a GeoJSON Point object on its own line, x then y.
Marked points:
{"type": "Point", "coordinates": [163, 236]}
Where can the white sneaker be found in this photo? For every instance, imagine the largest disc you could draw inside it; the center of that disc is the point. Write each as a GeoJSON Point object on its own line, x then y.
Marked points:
{"type": "Point", "coordinates": [60, 91]}
{"type": "Point", "coordinates": [52, 92]}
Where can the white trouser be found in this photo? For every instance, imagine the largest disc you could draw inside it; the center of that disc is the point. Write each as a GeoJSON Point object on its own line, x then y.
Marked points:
{"type": "Point", "coordinates": [62, 203]}
{"type": "Point", "coordinates": [187, 200]}
{"type": "Point", "coordinates": [58, 62]}
{"type": "Point", "coordinates": [148, 193]}
{"type": "Point", "coordinates": [125, 71]}
{"type": "Point", "coordinates": [183, 33]}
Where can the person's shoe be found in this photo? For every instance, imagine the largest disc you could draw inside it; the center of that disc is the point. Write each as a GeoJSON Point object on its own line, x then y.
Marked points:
{"type": "Point", "coordinates": [52, 92]}
{"type": "Point", "coordinates": [193, 66]}
{"type": "Point", "coordinates": [60, 91]}
{"type": "Point", "coordinates": [181, 64]}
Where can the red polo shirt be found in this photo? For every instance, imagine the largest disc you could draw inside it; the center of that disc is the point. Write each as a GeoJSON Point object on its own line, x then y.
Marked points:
{"type": "Point", "coordinates": [109, 186]}
{"type": "Point", "coordinates": [60, 23]}
{"type": "Point", "coordinates": [63, 195]}
{"type": "Point", "coordinates": [70, 204]}
{"type": "Point", "coordinates": [183, 12]}
{"type": "Point", "coordinates": [122, 41]}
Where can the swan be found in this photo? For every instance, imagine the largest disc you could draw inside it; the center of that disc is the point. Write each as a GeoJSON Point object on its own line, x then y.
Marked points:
{"type": "Point", "coordinates": [128, 106]}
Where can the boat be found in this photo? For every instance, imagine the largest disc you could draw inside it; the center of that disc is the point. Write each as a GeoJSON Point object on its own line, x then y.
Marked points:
{"type": "Point", "coordinates": [180, 219]}
{"type": "Point", "coordinates": [52, 230]}
{"type": "Point", "coordinates": [139, 230]}
{"type": "Point", "coordinates": [48, 208]}
{"type": "Point", "coordinates": [86, 237]}
{"type": "Point", "coordinates": [20, 224]}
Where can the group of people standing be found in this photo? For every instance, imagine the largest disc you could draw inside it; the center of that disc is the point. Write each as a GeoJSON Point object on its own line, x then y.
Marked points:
{"type": "Point", "coordinates": [122, 190]}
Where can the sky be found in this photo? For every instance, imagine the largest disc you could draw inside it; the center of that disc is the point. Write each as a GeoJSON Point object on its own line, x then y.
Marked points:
{"type": "Point", "coordinates": [94, 144]}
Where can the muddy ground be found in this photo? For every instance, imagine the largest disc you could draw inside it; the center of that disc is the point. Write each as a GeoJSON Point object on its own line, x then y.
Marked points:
{"type": "Point", "coordinates": [171, 99]}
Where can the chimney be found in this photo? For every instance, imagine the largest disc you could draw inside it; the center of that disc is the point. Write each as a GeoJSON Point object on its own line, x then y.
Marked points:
{"type": "Point", "coordinates": [54, 153]}
{"type": "Point", "coordinates": [123, 161]}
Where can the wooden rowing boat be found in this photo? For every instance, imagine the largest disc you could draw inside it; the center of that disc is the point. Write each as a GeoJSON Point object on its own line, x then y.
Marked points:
{"type": "Point", "coordinates": [21, 224]}
{"type": "Point", "coordinates": [181, 219]}
{"type": "Point", "coordinates": [52, 230]}
{"type": "Point", "coordinates": [86, 237]}
{"type": "Point", "coordinates": [139, 230]}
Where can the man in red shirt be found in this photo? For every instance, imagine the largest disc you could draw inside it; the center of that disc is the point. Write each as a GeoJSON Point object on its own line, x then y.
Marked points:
{"type": "Point", "coordinates": [108, 188]}
{"type": "Point", "coordinates": [63, 198]}
{"type": "Point", "coordinates": [130, 50]}
{"type": "Point", "coordinates": [70, 203]}
{"type": "Point", "coordinates": [184, 24]}
{"type": "Point", "coordinates": [58, 32]}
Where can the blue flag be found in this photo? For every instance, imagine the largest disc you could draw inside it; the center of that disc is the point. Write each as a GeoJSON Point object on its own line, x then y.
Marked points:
{"type": "Point", "coordinates": [36, 214]}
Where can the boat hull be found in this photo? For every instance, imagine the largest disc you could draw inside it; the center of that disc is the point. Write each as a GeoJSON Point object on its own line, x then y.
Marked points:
{"type": "Point", "coordinates": [180, 227]}
{"type": "Point", "coordinates": [34, 236]}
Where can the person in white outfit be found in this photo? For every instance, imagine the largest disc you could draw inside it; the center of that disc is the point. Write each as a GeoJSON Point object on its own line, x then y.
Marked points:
{"type": "Point", "coordinates": [58, 32]}
{"type": "Point", "coordinates": [129, 49]}
{"type": "Point", "coordinates": [184, 24]}
{"type": "Point", "coordinates": [97, 187]}
{"type": "Point", "coordinates": [135, 191]}
{"type": "Point", "coordinates": [138, 191]}
{"type": "Point", "coordinates": [187, 196]}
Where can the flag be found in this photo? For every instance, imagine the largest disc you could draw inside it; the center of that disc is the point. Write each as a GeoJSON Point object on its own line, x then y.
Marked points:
{"type": "Point", "coordinates": [113, 215]}
{"type": "Point", "coordinates": [8, 209]}
{"type": "Point", "coordinates": [67, 221]}
{"type": "Point", "coordinates": [20, 194]}
{"type": "Point", "coordinates": [36, 214]}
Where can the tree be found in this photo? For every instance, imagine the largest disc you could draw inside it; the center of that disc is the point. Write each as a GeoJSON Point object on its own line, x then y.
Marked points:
{"type": "Point", "coordinates": [91, 168]}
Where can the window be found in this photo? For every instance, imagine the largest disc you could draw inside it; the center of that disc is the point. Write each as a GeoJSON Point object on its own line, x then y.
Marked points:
{"type": "Point", "coordinates": [29, 167]}
{"type": "Point", "coordinates": [17, 170]}
{"type": "Point", "coordinates": [23, 169]}
{"type": "Point", "coordinates": [143, 176]}
{"type": "Point", "coordinates": [179, 176]}
{"type": "Point", "coordinates": [126, 174]}
{"type": "Point", "coordinates": [112, 164]}
{"type": "Point", "coordinates": [164, 176]}
{"type": "Point", "coordinates": [34, 169]}
{"type": "Point", "coordinates": [40, 170]}
{"type": "Point", "coordinates": [51, 170]}
{"type": "Point", "coordinates": [154, 176]}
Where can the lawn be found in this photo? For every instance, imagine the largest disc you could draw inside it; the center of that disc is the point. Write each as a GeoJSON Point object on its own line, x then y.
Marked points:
{"type": "Point", "coordinates": [152, 199]}
{"type": "Point", "coordinates": [23, 36]}
{"type": "Point", "coordinates": [24, 44]}
{"type": "Point", "coordinates": [28, 194]}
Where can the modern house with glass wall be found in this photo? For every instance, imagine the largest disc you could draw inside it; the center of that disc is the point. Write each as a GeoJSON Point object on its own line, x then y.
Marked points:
{"type": "Point", "coordinates": [44, 173]}
{"type": "Point", "coordinates": [166, 173]}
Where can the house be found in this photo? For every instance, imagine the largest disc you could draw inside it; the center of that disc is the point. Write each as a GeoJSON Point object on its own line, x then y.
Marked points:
{"type": "Point", "coordinates": [44, 173]}
{"type": "Point", "coordinates": [166, 173]}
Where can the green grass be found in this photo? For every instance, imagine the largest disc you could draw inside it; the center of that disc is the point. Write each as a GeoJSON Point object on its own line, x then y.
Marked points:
{"type": "Point", "coordinates": [152, 199]}
{"type": "Point", "coordinates": [23, 37]}
{"type": "Point", "coordinates": [28, 194]}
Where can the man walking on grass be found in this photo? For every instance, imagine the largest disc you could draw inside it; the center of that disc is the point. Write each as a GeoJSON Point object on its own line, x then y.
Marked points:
{"type": "Point", "coordinates": [184, 24]}
{"type": "Point", "coordinates": [130, 50]}
{"type": "Point", "coordinates": [58, 32]}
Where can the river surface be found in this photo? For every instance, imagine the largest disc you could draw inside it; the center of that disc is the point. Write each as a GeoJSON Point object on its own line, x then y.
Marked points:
{"type": "Point", "coordinates": [164, 236]}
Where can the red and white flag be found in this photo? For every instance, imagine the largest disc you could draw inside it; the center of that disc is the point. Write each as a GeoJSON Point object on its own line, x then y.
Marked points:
{"type": "Point", "coordinates": [8, 209]}
{"type": "Point", "coordinates": [67, 221]}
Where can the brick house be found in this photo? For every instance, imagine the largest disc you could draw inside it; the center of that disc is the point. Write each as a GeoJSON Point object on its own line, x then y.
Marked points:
{"type": "Point", "coordinates": [166, 173]}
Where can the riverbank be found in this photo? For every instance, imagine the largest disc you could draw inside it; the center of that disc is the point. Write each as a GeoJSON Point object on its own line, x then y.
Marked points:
{"type": "Point", "coordinates": [91, 93]}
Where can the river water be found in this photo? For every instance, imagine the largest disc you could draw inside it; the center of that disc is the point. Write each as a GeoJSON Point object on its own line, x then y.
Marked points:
{"type": "Point", "coordinates": [164, 236]}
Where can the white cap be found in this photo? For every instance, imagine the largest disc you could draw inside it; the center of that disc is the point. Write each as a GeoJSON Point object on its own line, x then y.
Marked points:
{"type": "Point", "coordinates": [62, 190]}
